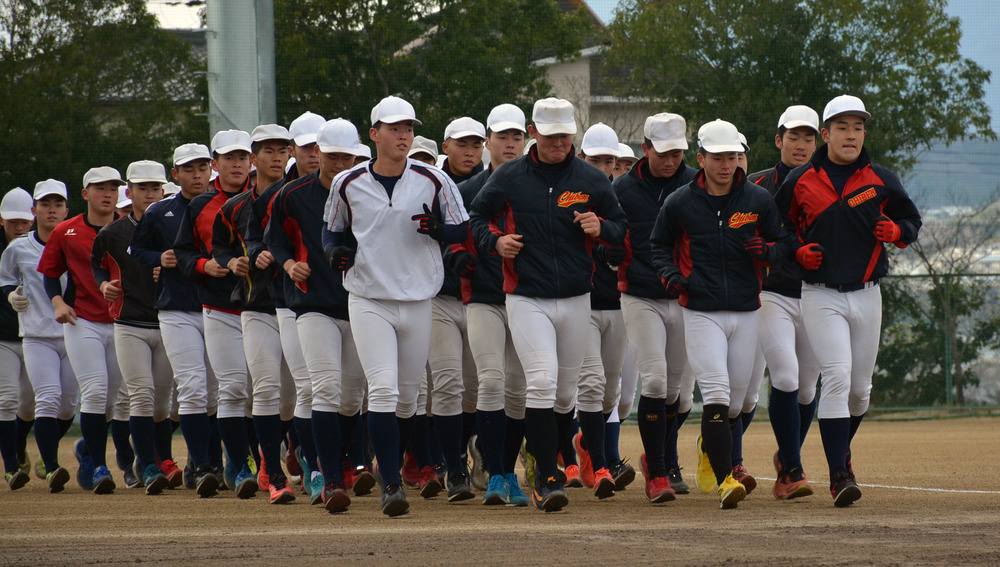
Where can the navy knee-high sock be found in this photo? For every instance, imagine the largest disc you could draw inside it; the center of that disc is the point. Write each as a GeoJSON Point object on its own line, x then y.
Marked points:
{"type": "Point", "coordinates": [253, 441]}
{"type": "Point", "coordinates": [492, 428]}
{"type": "Point", "coordinates": [293, 434]}
{"type": "Point", "coordinates": [468, 429]}
{"type": "Point", "coordinates": [542, 433]}
{"type": "Point", "coordinates": [383, 429]}
{"type": "Point", "coordinates": [94, 427]}
{"type": "Point", "coordinates": [651, 415]}
{"type": "Point", "coordinates": [175, 425]}
{"type": "Point", "coordinates": [124, 454]}
{"type": "Point", "coordinates": [612, 434]}
{"type": "Point", "coordinates": [23, 428]}
{"type": "Point", "coordinates": [327, 438]}
{"type": "Point", "coordinates": [8, 444]}
{"type": "Point", "coordinates": [234, 436]}
{"type": "Point", "coordinates": [670, 457]}
{"type": "Point", "coordinates": [360, 448]}
{"type": "Point", "coordinates": [512, 443]}
{"type": "Point", "coordinates": [143, 431]}
{"type": "Point", "coordinates": [348, 431]}
{"type": "Point", "coordinates": [736, 432]}
{"type": "Point", "coordinates": [47, 438]}
{"type": "Point", "coordinates": [717, 439]}
{"type": "Point", "coordinates": [214, 442]}
{"type": "Point", "coordinates": [195, 429]}
{"type": "Point", "coordinates": [855, 424]}
{"type": "Point", "coordinates": [783, 412]}
{"type": "Point", "coordinates": [672, 423]}
{"type": "Point", "coordinates": [64, 426]}
{"type": "Point", "coordinates": [836, 434]}
{"type": "Point", "coordinates": [268, 429]}
{"type": "Point", "coordinates": [449, 429]}
{"type": "Point", "coordinates": [304, 435]}
{"type": "Point", "coordinates": [419, 439]}
{"type": "Point", "coordinates": [164, 440]}
{"type": "Point", "coordinates": [806, 414]}
{"type": "Point", "coordinates": [566, 433]}
{"type": "Point", "coordinates": [592, 427]}
{"type": "Point", "coordinates": [437, 451]}
{"type": "Point", "coordinates": [747, 418]}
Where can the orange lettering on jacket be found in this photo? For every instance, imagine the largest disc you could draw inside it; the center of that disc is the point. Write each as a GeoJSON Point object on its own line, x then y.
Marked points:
{"type": "Point", "coordinates": [740, 219]}
{"type": "Point", "coordinates": [861, 197]}
{"type": "Point", "coordinates": [569, 198]}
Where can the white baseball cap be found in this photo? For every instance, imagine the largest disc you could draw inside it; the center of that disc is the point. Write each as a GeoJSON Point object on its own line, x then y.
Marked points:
{"type": "Point", "coordinates": [100, 175]}
{"type": "Point", "coordinates": [393, 109]}
{"type": "Point", "coordinates": [270, 132]}
{"type": "Point", "coordinates": [226, 141]}
{"type": "Point", "coordinates": [146, 171]}
{"type": "Point", "coordinates": [171, 188]}
{"type": "Point", "coordinates": [600, 140]}
{"type": "Point", "coordinates": [528, 145]}
{"type": "Point", "coordinates": [464, 127]}
{"type": "Point", "coordinates": [505, 117]}
{"type": "Point", "coordinates": [625, 152]}
{"type": "Point", "coordinates": [743, 141]}
{"type": "Point", "coordinates": [553, 116]}
{"type": "Point", "coordinates": [845, 104]}
{"type": "Point", "coordinates": [339, 136]}
{"type": "Point", "coordinates": [16, 205]}
{"type": "Point", "coordinates": [366, 151]}
{"type": "Point", "coordinates": [303, 129]}
{"type": "Point", "coordinates": [423, 145]}
{"type": "Point", "coordinates": [49, 187]}
{"type": "Point", "coordinates": [666, 131]}
{"type": "Point", "coordinates": [186, 153]}
{"type": "Point", "coordinates": [719, 137]}
{"type": "Point", "coordinates": [123, 199]}
{"type": "Point", "coordinates": [797, 116]}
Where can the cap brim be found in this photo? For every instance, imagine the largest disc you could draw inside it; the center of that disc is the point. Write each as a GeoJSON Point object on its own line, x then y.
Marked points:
{"type": "Point", "coordinates": [859, 113]}
{"type": "Point", "coordinates": [792, 124]}
{"type": "Point", "coordinates": [190, 159]}
{"type": "Point", "coordinates": [553, 129]}
{"type": "Point", "coordinates": [232, 148]}
{"type": "Point", "coordinates": [304, 139]}
{"type": "Point", "coordinates": [724, 149]}
{"type": "Point", "coordinates": [600, 152]}
{"type": "Point", "coordinates": [16, 216]}
{"type": "Point", "coordinates": [466, 134]}
{"type": "Point", "coordinates": [45, 194]}
{"type": "Point", "coordinates": [147, 180]}
{"type": "Point", "coordinates": [269, 138]}
{"type": "Point", "coordinates": [340, 150]}
{"type": "Point", "coordinates": [396, 118]}
{"type": "Point", "coordinates": [631, 159]}
{"type": "Point", "coordinates": [504, 126]}
{"type": "Point", "coordinates": [103, 180]}
{"type": "Point", "coordinates": [124, 203]}
{"type": "Point", "coordinates": [669, 145]}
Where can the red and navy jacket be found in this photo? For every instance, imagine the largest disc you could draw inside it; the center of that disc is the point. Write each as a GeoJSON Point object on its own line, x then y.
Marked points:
{"type": "Point", "coordinates": [708, 246]}
{"type": "Point", "coordinates": [295, 232]}
{"type": "Point", "coordinates": [251, 291]}
{"type": "Point", "coordinates": [785, 279]}
{"type": "Point", "coordinates": [193, 248]}
{"type": "Point", "coordinates": [154, 235]}
{"type": "Point", "coordinates": [555, 261]}
{"type": "Point", "coordinates": [110, 260]}
{"type": "Point", "coordinates": [486, 283]}
{"type": "Point", "coordinates": [843, 224]}
{"type": "Point", "coordinates": [260, 214]}
{"type": "Point", "coordinates": [68, 250]}
{"type": "Point", "coordinates": [641, 196]}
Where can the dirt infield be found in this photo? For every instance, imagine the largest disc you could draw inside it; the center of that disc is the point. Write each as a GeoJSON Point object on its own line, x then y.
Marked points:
{"type": "Point", "coordinates": [900, 520]}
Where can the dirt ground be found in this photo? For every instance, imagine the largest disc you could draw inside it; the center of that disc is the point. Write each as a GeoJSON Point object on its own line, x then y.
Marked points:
{"type": "Point", "coordinates": [930, 497]}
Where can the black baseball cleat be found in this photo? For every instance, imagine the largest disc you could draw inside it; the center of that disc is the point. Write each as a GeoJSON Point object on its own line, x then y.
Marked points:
{"type": "Point", "coordinates": [335, 498]}
{"type": "Point", "coordinates": [844, 490]}
{"type": "Point", "coordinates": [206, 481]}
{"type": "Point", "coordinates": [394, 501]}
{"type": "Point", "coordinates": [458, 487]}
{"type": "Point", "coordinates": [550, 496]}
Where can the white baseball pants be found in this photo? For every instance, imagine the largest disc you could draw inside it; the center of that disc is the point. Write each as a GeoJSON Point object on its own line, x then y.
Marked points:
{"type": "Point", "coordinates": [338, 382]}
{"type": "Point", "coordinates": [601, 373]}
{"type": "Point", "coordinates": [450, 358]}
{"type": "Point", "coordinates": [292, 350]}
{"type": "Point", "coordinates": [224, 345]}
{"type": "Point", "coordinates": [784, 347]}
{"type": "Point", "coordinates": [146, 371]}
{"type": "Point", "coordinates": [656, 336]}
{"type": "Point", "coordinates": [56, 390]}
{"type": "Point", "coordinates": [721, 346]}
{"type": "Point", "coordinates": [11, 370]}
{"type": "Point", "coordinates": [501, 378]}
{"type": "Point", "coordinates": [184, 340]}
{"type": "Point", "coordinates": [91, 350]}
{"type": "Point", "coordinates": [262, 345]}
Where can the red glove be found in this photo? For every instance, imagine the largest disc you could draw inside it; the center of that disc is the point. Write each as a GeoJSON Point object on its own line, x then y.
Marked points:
{"type": "Point", "coordinates": [676, 285]}
{"type": "Point", "coordinates": [886, 230]}
{"type": "Point", "coordinates": [810, 256]}
{"type": "Point", "coordinates": [756, 247]}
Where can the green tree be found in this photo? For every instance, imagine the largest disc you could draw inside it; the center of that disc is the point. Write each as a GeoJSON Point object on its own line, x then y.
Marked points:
{"type": "Point", "coordinates": [449, 58]}
{"type": "Point", "coordinates": [746, 61]}
{"type": "Point", "coordinates": [90, 82]}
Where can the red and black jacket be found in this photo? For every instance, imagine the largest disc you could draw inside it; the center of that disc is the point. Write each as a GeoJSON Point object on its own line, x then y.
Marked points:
{"type": "Point", "coordinates": [260, 215]}
{"type": "Point", "coordinates": [843, 224]}
{"type": "Point", "coordinates": [641, 198]}
{"type": "Point", "coordinates": [251, 291]}
{"type": "Point", "coordinates": [193, 248]}
{"type": "Point", "coordinates": [110, 257]}
{"type": "Point", "coordinates": [785, 279]}
{"type": "Point", "coordinates": [486, 283]}
{"type": "Point", "coordinates": [707, 246]}
{"type": "Point", "coordinates": [555, 261]}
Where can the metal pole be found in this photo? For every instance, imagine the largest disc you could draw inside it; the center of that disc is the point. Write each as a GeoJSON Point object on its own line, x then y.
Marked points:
{"type": "Point", "coordinates": [948, 324]}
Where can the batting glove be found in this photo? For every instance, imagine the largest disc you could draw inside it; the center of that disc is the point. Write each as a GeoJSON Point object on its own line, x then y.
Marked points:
{"type": "Point", "coordinates": [614, 255]}
{"type": "Point", "coordinates": [886, 230]}
{"type": "Point", "coordinates": [810, 256]}
{"type": "Point", "coordinates": [676, 285]}
{"type": "Point", "coordinates": [340, 257]}
{"type": "Point", "coordinates": [18, 300]}
{"type": "Point", "coordinates": [462, 263]}
{"type": "Point", "coordinates": [429, 224]}
{"type": "Point", "coordinates": [756, 247]}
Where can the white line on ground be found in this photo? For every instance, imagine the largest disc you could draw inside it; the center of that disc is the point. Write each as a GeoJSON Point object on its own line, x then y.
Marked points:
{"type": "Point", "coordinates": [916, 488]}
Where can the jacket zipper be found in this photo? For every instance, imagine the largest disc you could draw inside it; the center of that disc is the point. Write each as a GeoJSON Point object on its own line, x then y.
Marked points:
{"type": "Point", "coordinates": [552, 246]}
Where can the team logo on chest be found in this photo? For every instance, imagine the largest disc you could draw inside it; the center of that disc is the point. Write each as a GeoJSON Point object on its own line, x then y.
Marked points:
{"type": "Point", "coordinates": [569, 198]}
{"type": "Point", "coordinates": [741, 219]}
{"type": "Point", "coordinates": [70, 232]}
{"type": "Point", "coordinates": [865, 195]}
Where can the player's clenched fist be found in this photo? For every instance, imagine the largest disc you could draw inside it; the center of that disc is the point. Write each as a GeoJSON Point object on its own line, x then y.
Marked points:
{"type": "Point", "coordinates": [340, 257]}
{"type": "Point", "coordinates": [168, 259]}
{"type": "Point", "coordinates": [509, 246]}
{"type": "Point", "coordinates": [297, 271]}
{"type": "Point", "coordinates": [264, 259]}
{"type": "Point", "coordinates": [675, 285]}
{"type": "Point", "coordinates": [239, 266]}
{"type": "Point", "coordinates": [213, 269]}
{"type": "Point", "coordinates": [810, 256]}
{"type": "Point", "coordinates": [886, 230]}
{"type": "Point", "coordinates": [111, 290]}
{"type": "Point", "coordinates": [589, 222]}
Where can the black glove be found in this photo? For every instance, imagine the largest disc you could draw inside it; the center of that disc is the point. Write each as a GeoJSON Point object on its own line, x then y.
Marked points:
{"type": "Point", "coordinates": [756, 247]}
{"type": "Point", "coordinates": [429, 224]}
{"type": "Point", "coordinates": [676, 285]}
{"type": "Point", "coordinates": [614, 255]}
{"type": "Point", "coordinates": [462, 263]}
{"type": "Point", "coordinates": [340, 257]}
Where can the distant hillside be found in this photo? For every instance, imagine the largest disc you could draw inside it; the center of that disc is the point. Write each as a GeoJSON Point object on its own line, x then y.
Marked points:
{"type": "Point", "coordinates": [964, 174]}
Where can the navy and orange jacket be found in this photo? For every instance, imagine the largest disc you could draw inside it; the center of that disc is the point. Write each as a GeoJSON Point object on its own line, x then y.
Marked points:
{"type": "Point", "coordinates": [251, 290]}
{"type": "Point", "coordinates": [785, 279]}
{"type": "Point", "coordinates": [110, 260]}
{"type": "Point", "coordinates": [843, 224]}
{"type": "Point", "coordinates": [295, 232]}
{"type": "Point", "coordinates": [708, 247]}
{"type": "Point", "coordinates": [555, 261]}
{"type": "Point", "coordinates": [155, 234]}
{"type": "Point", "coordinates": [641, 199]}
{"type": "Point", "coordinates": [193, 248]}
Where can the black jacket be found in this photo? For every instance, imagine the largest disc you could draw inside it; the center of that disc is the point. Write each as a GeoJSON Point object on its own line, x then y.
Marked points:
{"type": "Point", "coordinates": [785, 279]}
{"type": "Point", "coordinates": [154, 235]}
{"type": "Point", "coordinates": [251, 292]}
